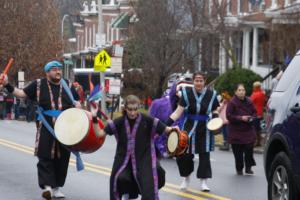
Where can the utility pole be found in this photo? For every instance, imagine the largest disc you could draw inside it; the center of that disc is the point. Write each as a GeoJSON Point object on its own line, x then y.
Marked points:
{"type": "Point", "coordinates": [102, 77]}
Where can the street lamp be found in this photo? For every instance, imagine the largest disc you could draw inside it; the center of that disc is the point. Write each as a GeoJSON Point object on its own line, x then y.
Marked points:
{"type": "Point", "coordinates": [62, 30]}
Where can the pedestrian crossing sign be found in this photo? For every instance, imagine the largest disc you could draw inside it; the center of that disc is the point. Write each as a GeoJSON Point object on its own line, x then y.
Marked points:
{"type": "Point", "coordinates": [102, 61]}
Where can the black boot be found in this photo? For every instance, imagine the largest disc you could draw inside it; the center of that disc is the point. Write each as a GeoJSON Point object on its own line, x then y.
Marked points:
{"type": "Point", "coordinates": [249, 171]}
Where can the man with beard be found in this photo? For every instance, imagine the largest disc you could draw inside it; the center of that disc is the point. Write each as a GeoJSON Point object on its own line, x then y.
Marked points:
{"type": "Point", "coordinates": [53, 157]}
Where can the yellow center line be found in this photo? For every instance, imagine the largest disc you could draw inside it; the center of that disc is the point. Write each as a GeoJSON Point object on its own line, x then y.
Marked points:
{"type": "Point", "coordinates": [16, 148]}
{"type": "Point", "coordinates": [16, 144]}
{"type": "Point", "coordinates": [198, 192]}
{"type": "Point", "coordinates": [170, 188]}
{"type": "Point", "coordinates": [93, 166]}
{"type": "Point", "coordinates": [71, 160]}
{"type": "Point", "coordinates": [183, 194]}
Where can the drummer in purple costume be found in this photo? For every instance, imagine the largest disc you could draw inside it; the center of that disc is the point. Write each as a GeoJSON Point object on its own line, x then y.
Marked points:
{"type": "Point", "coordinates": [198, 104]}
{"type": "Point", "coordinates": [136, 169]}
{"type": "Point", "coordinates": [53, 157]}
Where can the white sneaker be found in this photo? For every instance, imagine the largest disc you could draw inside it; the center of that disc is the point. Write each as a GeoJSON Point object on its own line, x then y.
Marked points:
{"type": "Point", "coordinates": [125, 197]}
{"type": "Point", "coordinates": [204, 186]}
{"type": "Point", "coordinates": [47, 193]}
{"type": "Point", "coordinates": [57, 193]}
{"type": "Point", "coordinates": [185, 183]}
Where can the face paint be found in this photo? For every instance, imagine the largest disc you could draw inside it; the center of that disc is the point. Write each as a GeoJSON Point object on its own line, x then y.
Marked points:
{"type": "Point", "coordinates": [132, 111]}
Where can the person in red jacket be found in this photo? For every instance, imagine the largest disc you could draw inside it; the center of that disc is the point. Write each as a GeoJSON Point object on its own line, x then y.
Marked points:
{"type": "Point", "coordinates": [258, 98]}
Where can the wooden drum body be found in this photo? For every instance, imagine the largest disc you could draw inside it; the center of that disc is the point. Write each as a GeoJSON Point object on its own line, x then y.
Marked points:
{"type": "Point", "coordinates": [74, 128]}
{"type": "Point", "coordinates": [177, 143]}
{"type": "Point", "coordinates": [215, 125]}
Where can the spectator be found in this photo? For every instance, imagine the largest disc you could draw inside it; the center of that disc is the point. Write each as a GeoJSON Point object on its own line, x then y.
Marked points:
{"type": "Point", "coordinates": [258, 98]}
{"type": "Point", "coordinates": [2, 105]}
{"type": "Point", "coordinates": [149, 102]}
{"type": "Point", "coordinates": [9, 104]}
{"type": "Point", "coordinates": [222, 110]}
{"type": "Point", "coordinates": [241, 134]}
{"type": "Point", "coordinates": [30, 111]}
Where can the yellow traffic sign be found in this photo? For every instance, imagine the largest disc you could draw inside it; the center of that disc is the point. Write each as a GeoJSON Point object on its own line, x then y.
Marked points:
{"type": "Point", "coordinates": [102, 61]}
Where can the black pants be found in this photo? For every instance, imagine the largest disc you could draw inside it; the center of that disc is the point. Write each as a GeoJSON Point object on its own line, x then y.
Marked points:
{"type": "Point", "coordinates": [186, 165]}
{"type": "Point", "coordinates": [126, 183]}
{"type": "Point", "coordinates": [243, 153]}
{"type": "Point", "coordinates": [53, 172]}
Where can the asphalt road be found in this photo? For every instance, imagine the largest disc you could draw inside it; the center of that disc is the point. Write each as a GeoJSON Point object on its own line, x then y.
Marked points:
{"type": "Point", "coordinates": [18, 175]}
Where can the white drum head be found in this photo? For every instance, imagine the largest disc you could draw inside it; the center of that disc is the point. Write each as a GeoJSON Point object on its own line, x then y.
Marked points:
{"type": "Point", "coordinates": [215, 124]}
{"type": "Point", "coordinates": [173, 142]}
{"type": "Point", "coordinates": [71, 126]}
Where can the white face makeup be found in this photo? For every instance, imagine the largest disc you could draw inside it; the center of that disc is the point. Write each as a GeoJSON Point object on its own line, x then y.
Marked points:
{"type": "Point", "coordinates": [132, 111]}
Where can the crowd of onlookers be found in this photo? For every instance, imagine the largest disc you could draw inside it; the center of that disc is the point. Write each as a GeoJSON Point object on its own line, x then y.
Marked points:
{"type": "Point", "coordinates": [13, 108]}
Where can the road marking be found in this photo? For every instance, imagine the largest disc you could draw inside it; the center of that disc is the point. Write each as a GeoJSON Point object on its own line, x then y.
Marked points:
{"type": "Point", "coordinates": [210, 195]}
{"type": "Point", "coordinates": [16, 148]}
{"type": "Point", "coordinates": [92, 165]}
{"type": "Point", "coordinates": [183, 194]}
{"type": "Point", "coordinates": [169, 188]}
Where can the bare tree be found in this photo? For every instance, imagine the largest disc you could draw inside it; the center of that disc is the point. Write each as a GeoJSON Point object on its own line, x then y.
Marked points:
{"type": "Point", "coordinates": [29, 34]}
{"type": "Point", "coordinates": [161, 41]}
{"type": "Point", "coordinates": [215, 23]}
{"type": "Point", "coordinates": [284, 35]}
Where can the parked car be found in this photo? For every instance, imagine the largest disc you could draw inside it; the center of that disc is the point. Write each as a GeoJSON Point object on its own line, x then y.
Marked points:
{"type": "Point", "coordinates": [282, 149]}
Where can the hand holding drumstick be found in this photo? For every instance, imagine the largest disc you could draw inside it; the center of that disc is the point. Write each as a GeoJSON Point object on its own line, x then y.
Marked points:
{"type": "Point", "coordinates": [3, 76]}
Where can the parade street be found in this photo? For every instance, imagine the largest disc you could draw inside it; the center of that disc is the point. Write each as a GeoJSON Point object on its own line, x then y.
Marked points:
{"type": "Point", "coordinates": [18, 173]}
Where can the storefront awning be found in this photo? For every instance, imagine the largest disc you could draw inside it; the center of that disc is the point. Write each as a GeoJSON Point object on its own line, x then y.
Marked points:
{"type": "Point", "coordinates": [121, 21]}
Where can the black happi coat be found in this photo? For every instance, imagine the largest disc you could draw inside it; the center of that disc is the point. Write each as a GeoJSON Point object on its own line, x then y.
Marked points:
{"type": "Point", "coordinates": [202, 139]}
{"type": "Point", "coordinates": [45, 140]}
{"type": "Point", "coordinates": [135, 151]}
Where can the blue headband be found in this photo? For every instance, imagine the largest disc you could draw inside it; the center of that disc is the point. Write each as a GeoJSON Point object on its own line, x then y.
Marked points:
{"type": "Point", "coordinates": [52, 64]}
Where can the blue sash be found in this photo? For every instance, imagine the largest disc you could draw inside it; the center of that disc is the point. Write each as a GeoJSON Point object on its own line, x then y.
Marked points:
{"type": "Point", "coordinates": [56, 113]}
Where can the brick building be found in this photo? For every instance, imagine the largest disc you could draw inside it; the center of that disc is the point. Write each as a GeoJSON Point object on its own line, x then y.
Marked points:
{"type": "Point", "coordinates": [251, 22]}
{"type": "Point", "coordinates": [116, 15]}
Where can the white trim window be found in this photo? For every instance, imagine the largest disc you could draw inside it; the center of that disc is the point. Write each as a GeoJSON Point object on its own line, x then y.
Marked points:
{"type": "Point", "coordinates": [94, 35]}
{"type": "Point", "coordinates": [274, 4]}
{"type": "Point", "coordinates": [229, 7]}
{"type": "Point", "coordinates": [250, 7]}
{"type": "Point", "coordinates": [286, 2]}
{"type": "Point", "coordinates": [209, 7]}
{"type": "Point", "coordinates": [78, 42]}
{"type": "Point", "coordinates": [86, 37]}
{"type": "Point", "coordinates": [90, 37]}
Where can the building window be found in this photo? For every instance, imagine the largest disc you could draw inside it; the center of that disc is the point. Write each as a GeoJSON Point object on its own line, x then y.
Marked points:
{"type": "Point", "coordinates": [274, 4]}
{"type": "Point", "coordinates": [86, 37]}
{"type": "Point", "coordinates": [209, 7]}
{"type": "Point", "coordinates": [229, 7]}
{"type": "Point", "coordinates": [78, 42]}
{"type": "Point", "coordinates": [263, 47]}
{"type": "Point", "coordinates": [90, 37]}
{"type": "Point", "coordinates": [262, 6]}
{"type": "Point", "coordinates": [242, 6]}
{"type": "Point", "coordinates": [94, 35]}
{"type": "Point", "coordinates": [82, 42]}
{"type": "Point", "coordinates": [250, 6]}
